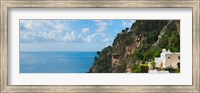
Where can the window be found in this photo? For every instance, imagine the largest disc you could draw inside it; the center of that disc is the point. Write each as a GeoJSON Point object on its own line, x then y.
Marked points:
{"type": "Point", "coordinates": [178, 57]}
{"type": "Point", "coordinates": [168, 57]}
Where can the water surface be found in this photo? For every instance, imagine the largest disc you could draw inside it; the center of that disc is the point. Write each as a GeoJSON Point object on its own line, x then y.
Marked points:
{"type": "Point", "coordinates": [56, 62]}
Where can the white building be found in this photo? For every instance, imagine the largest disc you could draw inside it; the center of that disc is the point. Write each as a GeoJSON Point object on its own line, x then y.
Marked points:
{"type": "Point", "coordinates": [168, 59]}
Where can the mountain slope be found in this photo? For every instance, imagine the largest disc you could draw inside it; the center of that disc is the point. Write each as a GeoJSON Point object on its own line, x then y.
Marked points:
{"type": "Point", "coordinates": [143, 42]}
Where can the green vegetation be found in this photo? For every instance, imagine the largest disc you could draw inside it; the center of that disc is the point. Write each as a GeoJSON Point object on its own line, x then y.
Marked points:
{"type": "Point", "coordinates": [98, 53]}
{"type": "Point", "coordinates": [144, 68]}
{"type": "Point", "coordinates": [103, 61]}
{"type": "Point", "coordinates": [153, 64]}
{"type": "Point", "coordinates": [146, 34]}
{"type": "Point", "coordinates": [170, 40]}
{"type": "Point", "coordinates": [136, 69]}
{"type": "Point", "coordinates": [122, 68]}
{"type": "Point", "coordinates": [148, 51]}
{"type": "Point", "coordinates": [172, 70]}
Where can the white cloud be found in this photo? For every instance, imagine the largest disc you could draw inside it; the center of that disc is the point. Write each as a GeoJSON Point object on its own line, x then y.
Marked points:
{"type": "Point", "coordinates": [32, 25]}
{"type": "Point", "coordinates": [26, 36]}
{"type": "Point", "coordinates": [59, 26]}
{"type": "Point", "coordinates": [43, 30]}
{"type": "Point", "coordinates": [89, 38]}
{"type": "Point", "coordinates": [96, 37]}
{"type": "Point", "coordinates": [107, 39]}
{"type": "Point", "coordinates": [85, 30]}
{"type": "Point", "coordinates": [102, 25]}
{"type": "Point", "coordinates": [50, 35]}
{"type": "Point", "coordinates": [127, 23]}
{"type": "Point", "coordinates": [69, 37]}
{"type": "Point", "coordinates": [29, 24]}
{"type": "Point", "coordinates": [59, 31]}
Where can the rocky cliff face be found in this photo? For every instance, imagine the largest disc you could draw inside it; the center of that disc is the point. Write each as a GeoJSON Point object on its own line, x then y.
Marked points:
{"type": "Point", "coordinates": [131, 47]}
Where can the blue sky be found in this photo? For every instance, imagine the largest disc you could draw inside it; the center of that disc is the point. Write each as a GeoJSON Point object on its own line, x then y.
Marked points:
{"type": "Point", "coordinates": [69, 35]}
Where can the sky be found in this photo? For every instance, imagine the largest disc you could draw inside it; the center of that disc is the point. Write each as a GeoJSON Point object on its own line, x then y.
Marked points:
{"type": "Point", "coordinates": [69, 35]}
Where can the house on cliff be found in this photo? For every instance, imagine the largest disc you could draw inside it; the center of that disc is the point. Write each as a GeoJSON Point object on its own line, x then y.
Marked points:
{"type": "Point", "coordinates": [168, 59]}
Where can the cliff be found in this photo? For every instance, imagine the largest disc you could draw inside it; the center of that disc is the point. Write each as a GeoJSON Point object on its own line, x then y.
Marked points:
{"type": "Point", "coordinates": [136, 45]}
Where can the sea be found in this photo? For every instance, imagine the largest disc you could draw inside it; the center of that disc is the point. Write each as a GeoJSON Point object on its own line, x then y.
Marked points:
{"type": "Point", "coordinates": [56, 62]}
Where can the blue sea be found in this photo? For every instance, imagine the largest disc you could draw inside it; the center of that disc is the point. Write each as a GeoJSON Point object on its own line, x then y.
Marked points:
{"type": "Point", "coordinates": [56, 62]}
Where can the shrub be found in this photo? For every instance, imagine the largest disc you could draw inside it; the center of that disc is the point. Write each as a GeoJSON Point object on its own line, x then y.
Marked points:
{"type": "Point", "coordinates": [144, 68]}
{"type": "Point", "coordinates": [123, 31]}
{"type": "Point", "coordinates": [98, 53]}
{"type": "Point", "coordinates": [123, 67]}
{"type": "Point", "coordinates": [127, 29]}
{"type": "Point", "coordinates": [136, 69]}
{"type": "Point", "coordinates": [159, 68]}
{"type": "Point", "coordinates": [153, 64]}
{"type": "Point", "coordinates": [177, 71]}
{"type": "Point", "coordinates": [172, 70]}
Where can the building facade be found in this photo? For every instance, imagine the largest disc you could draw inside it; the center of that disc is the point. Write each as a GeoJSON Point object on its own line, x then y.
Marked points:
{"type": "Point", "coordinates": [168, 59]}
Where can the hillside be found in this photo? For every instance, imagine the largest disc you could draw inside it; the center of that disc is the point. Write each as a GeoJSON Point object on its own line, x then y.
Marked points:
{"type": "Point", "coordinates": [136, 45]}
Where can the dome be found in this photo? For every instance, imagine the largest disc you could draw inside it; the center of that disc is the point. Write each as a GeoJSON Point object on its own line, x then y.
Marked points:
{"type": "Point", "coordinates": [164, 50]}
{"type": "Point", "coordinates": [168, 50]}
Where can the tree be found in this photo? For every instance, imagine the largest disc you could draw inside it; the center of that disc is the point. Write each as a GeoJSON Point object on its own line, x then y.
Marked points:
{"type": "Point", "coordinates": [127, 29]}
{"type": "Point", "coordinates": [144, 68]}
{"type": "Point", "coordinates": [98, 53]}
{"type": "Point", "coordinates": [136, 69]}
{"type": "Point", "coordinates": [174, 41]}
{"type": "Point", "coordinates": [123, 31]}
{"type": "Point", "coordinates": [153, 37]}
{"type": "Point", "coordinates": [153, 64]}
{"type": "Point", "coordinates": [95, 58]}
{"type": "Point", "coordinates": [128, 40]}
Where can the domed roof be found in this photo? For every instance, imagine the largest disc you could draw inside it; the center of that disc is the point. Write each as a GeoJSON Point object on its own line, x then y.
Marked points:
{"type": "Point", "coordinates": [164, 50]}
{"type": "Point", "coordinates": [168, 50]}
